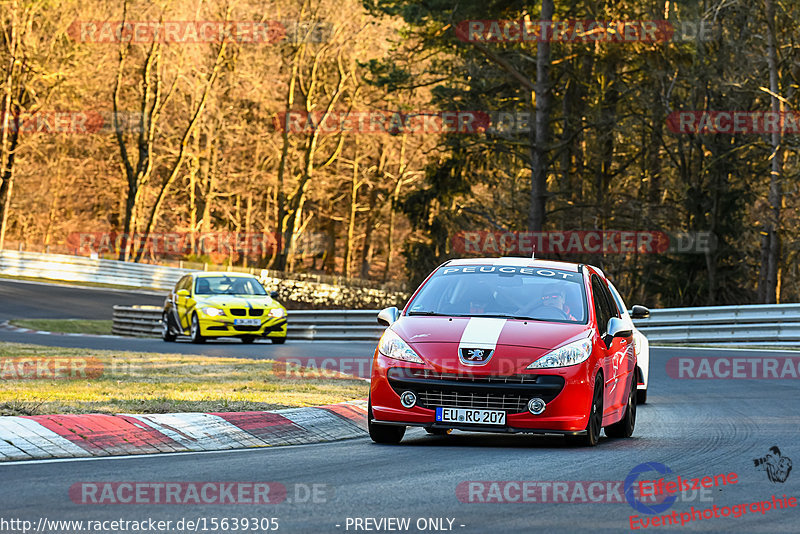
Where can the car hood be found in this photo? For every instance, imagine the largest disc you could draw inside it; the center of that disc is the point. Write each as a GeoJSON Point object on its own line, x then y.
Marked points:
{"type": "Point", "coordinates": [236, 301]}
{"type": "Point", "coordinates": [483, 330]}
{"type": "Point", "coordinates": [514, 343]}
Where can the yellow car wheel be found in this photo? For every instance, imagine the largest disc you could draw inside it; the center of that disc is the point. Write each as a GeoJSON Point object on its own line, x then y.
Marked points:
{"type": "Point", "coordinates": [195, 331]}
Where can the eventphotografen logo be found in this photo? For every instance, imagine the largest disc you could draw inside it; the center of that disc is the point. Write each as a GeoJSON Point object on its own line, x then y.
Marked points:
{"type": "Point", "coordinates": [775, 464]}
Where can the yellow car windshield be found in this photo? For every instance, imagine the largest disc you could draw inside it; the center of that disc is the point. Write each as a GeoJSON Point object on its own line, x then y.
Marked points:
{"type": "Point", "coordinates": [228, 285]}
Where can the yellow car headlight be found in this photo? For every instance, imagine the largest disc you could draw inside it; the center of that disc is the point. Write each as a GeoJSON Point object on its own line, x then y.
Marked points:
{"type": "Point", "coordinates": [277, 312]}
{"type": "Point", "coordinates": [213, 312]}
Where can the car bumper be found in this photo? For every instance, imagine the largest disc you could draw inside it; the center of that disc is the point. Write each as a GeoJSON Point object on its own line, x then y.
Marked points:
{"type": "Point", "coordinates": [225, 327]}
{"type": "Point", "coordinates": [567, 392]}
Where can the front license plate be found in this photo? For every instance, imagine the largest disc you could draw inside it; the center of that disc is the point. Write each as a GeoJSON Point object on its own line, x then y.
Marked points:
{"type": "Point", "coordinates": [247, 322]}
{"type": "Point", "coordinates": [474, 417]}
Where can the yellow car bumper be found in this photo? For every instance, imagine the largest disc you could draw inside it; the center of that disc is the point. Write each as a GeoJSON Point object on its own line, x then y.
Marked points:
{"type": "Point", "coordinates": [232, 327]}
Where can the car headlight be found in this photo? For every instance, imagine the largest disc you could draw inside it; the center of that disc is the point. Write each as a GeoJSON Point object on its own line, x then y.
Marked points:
{"type": "Point", "coordinates": [277, 312]}
{"type": "Point", "coordinates": [213, 312]}
{"type": "Point", "coordinates": [570, 354]}
{"type": "Point", "coordinates": [392, 346]}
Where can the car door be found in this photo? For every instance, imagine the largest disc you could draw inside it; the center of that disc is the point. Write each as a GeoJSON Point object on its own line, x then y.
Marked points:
{"type": "Point", "coordinates": [610, 361]}
{"type": "Point", "coordinates": [621, 357]}
{"type": "Point", "coordinates": [183, 301]}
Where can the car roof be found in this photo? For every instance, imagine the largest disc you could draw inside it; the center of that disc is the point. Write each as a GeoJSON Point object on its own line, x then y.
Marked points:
{"type": "Point", "coordinates": [518, 262]}
{"type": "Point", "coordinates": [205, 274]}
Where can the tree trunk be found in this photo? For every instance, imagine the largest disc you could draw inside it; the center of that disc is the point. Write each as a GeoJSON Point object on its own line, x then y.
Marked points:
{"type": "Point", "coordinates": [541, 132]}
{"type": "Point", "coordinates": [8, 144]}
{"type": "Point", "coordinates": [771, 244]}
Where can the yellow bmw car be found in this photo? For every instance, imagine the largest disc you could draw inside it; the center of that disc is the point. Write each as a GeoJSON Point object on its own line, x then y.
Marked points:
{"type": "Point", "coordinates": [222, 304]}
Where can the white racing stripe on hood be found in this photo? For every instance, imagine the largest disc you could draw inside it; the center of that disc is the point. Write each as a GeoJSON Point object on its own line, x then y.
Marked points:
{"type": "Point", "coordinates": [481, 333]}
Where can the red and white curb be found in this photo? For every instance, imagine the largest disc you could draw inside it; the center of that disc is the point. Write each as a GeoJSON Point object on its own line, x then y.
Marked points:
{"type": "Point", "coordinates": [73, 436]}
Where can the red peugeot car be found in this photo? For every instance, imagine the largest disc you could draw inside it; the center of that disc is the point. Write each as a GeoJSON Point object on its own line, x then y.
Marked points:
{"type": "Point", "coordinates": [506, 345]}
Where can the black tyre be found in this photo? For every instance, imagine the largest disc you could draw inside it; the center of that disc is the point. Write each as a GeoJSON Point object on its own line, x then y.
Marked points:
{"type": "Point", "coordinates": [595, 424]}
{"type": "Point", "coordinates": [386, 434]}
{"type": "Point", "coordinates": [195, 331]}
{"type": "Point", "coordinates": [248, 339]}
{"type": "Point", "coordinates": [278, 340]}
{"type": "Point", "coordinates": [624, 427]}
{"type": "Point", "coordinates": [641, 394]}
{"type": "Point", "coordinates": [166, 332]}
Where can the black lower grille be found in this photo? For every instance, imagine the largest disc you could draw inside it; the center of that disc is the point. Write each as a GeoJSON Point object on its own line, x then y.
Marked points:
{"type": "Point", "coordinates": [489, 401]}
{"type": "Point", "coordinates": [494, 392]}
{"type": "Point", "coordinates": [246, 328]}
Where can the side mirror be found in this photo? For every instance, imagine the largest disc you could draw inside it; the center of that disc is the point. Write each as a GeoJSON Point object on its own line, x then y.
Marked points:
{"type": "Point", "coordinates": [388, 315]}
{"type": "Point", "coordinates": [639, 312]}
{"type": "Point", "coordinates": [183, 293]}
{"type": "Point", "coordinates": [618, 328]}
{"type": "Point", "coordinates": [273, 294]}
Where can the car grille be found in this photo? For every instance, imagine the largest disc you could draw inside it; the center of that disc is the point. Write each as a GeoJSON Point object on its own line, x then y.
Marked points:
{"type": "Point", "coordinates": [495, 392]}
{"type": "Point", "coordinates": [476, 379]}
{"type": "Point", "coordinates": [489, 401]}
{"type": "Point", "coordinates": [241, 312]}
{"type": "Point", "coordinates": [246, 328]}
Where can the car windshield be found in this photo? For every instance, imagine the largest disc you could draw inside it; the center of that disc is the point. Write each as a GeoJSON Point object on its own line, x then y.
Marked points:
{"type": "Point", "coordinates": [503, 291]}
{"type": "Point", "coordinates": [228, 285]}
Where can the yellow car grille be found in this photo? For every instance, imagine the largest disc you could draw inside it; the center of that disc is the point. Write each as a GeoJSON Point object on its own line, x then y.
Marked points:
{"type": "Point", "coordinates": [241, 312]}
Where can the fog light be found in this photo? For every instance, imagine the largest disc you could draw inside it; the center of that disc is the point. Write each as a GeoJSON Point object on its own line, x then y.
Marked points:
{"type": "Point", "coordinates": [536, 406]}
{"type": "Point", "coordinates": [408, 399]}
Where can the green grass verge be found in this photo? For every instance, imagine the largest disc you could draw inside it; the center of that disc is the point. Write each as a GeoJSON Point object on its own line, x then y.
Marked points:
{"type": "Point", "coordinates": [66, 326]}
{"type": "Point", "coordinates": [78, 283]}
{"type": "Point", "coordinates": [141, 382]}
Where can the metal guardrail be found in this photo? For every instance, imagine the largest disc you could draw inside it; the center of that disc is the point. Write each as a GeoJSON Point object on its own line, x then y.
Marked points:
{"type": "Point", "coordinates": [145, 275]}
{"type": "Point", "coordinates": [82, 269]}
{"type": "Point", "coordinates": [758, 324]}
{"type": "Point", "coordinates": [322, 325]}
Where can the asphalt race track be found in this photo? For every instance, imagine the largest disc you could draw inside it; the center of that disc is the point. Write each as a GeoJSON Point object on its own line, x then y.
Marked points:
{"type": "Point", "coordinates": [696, 428]}
{"type": "Point", "coordinates": [25, 300]}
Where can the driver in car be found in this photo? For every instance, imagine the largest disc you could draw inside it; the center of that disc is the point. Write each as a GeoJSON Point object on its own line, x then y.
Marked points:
{"type": "Point", "coordinates": [553, 296]}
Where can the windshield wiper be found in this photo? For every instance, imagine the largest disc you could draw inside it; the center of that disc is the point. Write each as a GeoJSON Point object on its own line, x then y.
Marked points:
{"type": "Point", "coordinates": [433, 313]}
{"type": "Point", "coordinates": [502, 316]}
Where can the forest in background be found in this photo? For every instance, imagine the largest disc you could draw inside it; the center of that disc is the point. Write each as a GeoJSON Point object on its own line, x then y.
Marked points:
{"type": "Point", "coordinates": [195, 136]}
